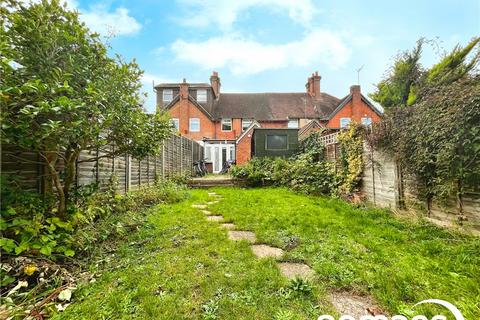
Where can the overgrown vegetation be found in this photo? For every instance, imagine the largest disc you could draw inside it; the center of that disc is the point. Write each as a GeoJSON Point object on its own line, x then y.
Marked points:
{"type": "Point", "coordinates": [310, 171]}
{"type": "Point", "coordinates": [101, 220]}
{"type": "Point", "coordinates": [432, 123]}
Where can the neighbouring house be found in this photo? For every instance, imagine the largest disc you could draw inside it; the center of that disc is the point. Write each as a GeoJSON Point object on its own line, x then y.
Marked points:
{"type": "Point", "coordinates": [225, 122]}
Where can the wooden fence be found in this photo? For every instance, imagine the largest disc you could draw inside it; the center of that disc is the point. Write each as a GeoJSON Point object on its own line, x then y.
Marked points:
{"type": "Point", "coordinates": [384, 185]}
{"type": "Point", "coordinates": [176, 157]}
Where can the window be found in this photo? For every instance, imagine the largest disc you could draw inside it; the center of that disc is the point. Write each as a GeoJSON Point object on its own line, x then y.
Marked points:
{"type": "Point", "coordinates": [366, 121]}
{"type": "Point", "coordinates": [246, 123]}
{"type": "Point", "coordinates": [194, 125]}
{"type": "Point", "coordinates": [167, 95]}
{"type": "Point", "coordinates": [226, 124]}
{"type": "Point", "coordinates": [344, 122]}
{"type": "Point", "coordinates": [293, 123]}
{"type": "Point", "coordinates": [208, 153]}
{"type": "Point", "coordinates": [276, 142]}
{"type": "Point", "coordinates": [175, 122]}
{"type": "Point", "coordinates": [202, 95]}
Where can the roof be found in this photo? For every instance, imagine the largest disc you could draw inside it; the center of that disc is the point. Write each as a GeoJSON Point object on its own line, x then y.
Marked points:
{"type": "Point", "coordinates": [273, 106]}
{"type": "Point", "coordinates": [176, 85]}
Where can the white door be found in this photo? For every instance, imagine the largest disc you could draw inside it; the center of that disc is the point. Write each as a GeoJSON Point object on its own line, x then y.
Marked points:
{"type": "Point", "coordinates": [220, 154]}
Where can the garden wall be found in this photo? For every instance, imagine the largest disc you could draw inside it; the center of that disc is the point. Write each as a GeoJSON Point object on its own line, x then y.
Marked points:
{"type": "Point", "coordinates": [385, 186]}
{"type": "Point", "coordinates": [176, 157]}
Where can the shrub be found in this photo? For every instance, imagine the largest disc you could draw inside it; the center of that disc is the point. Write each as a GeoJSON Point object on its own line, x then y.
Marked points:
{"type": "Point", "coordinates": [300, 173]}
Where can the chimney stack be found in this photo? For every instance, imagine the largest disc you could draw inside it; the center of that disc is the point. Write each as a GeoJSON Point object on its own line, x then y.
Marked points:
{"type": "Point", "coordinates": [215, 83]}
{"type": "Point", "coordinates": [313, 85]}
{"type": "Point", "coordinates": [184, 90]}
{"type": "Point", "coordinates": [356, 101]}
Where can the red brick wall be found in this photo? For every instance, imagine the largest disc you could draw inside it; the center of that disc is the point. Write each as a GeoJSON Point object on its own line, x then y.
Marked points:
{"type": "Point", "coordinates": [244, 148]}
{"type": "Point", "coordinates": [356, 109]}
{"type": "Point", "coordinates": [184, 110]}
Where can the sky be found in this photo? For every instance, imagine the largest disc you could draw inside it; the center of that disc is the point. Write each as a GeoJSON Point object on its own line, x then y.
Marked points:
{"type": "Point", "coordinates": [274, 45]}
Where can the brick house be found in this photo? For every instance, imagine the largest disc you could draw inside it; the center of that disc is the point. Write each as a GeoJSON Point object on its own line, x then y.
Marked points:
{"type": "Point", "coordinates": [224, 122]}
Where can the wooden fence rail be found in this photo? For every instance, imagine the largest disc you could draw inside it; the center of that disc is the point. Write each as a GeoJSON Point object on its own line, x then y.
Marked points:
{"type": "Point", "coordinates": [176, 157]}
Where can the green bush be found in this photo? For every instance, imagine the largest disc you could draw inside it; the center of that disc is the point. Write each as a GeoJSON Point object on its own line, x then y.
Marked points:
{"type": "Point", "coordinates": [28, 223]}
{"type": "Point", "coordinates": [300, 173]}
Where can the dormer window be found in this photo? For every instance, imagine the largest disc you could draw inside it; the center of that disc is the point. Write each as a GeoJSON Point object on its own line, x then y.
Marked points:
{"type": "Point", "coordinates": [167, 95]}
{"type": "Point", "coordinates": [202, 95]}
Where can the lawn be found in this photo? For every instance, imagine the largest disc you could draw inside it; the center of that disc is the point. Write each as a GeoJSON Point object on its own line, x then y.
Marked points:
{"type": "Point", "coordinates": [181, 266]}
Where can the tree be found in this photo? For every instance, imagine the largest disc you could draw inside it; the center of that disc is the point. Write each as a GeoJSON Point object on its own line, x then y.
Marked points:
{"type": "Point", "coordinates": [61, 93]}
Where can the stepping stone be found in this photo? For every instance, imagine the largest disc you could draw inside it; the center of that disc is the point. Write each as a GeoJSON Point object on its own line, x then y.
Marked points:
{"type": "Point", "coordinates": [212, 194]}
{"type": "Point", "coordinates": [242, 235]}
{"type": "Point", "coordinates": [199, 206]}
{"type": "Point", "coordinates": [208, 213]}
{"type": "Point", "coordinates": [212, 202]}
{"type": "Point", "coordinates": [228, 226]}
{"type": "Point", "coordinates": [354, 305]}
{"type": "Point", "coordinates": [215, 218]}
{"type": "Point", "coordinates": [292, 270]}
{"type": "Point", "coordinates": [264, 251]}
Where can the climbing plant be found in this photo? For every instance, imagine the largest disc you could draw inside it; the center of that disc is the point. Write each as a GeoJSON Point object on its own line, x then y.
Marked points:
{"type": "Point", "coordinates": [351, 144]}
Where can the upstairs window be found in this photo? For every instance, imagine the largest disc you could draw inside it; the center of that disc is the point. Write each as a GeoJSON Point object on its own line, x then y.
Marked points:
{"type": "Point", "coordinates": [202, 95]}
{"type": "Point", "coordinates": [344, 122]}
{"type": "Point", "coordinates": [167, 95]}
{"type": "Point", "coordinates": [366, 121]}
{"type": "Point", "coordinates": [246, 123]}
{"type": "Point", "coordinates": [226, 124]}
{"type": "Point", "coordinates": [276, 142]}
{"type": "Point", "coordinates": [194, 125]}
{"type": "Point", "coordinates": [175, 123]}
{"type": "Point", "coordinates": [293, 124]}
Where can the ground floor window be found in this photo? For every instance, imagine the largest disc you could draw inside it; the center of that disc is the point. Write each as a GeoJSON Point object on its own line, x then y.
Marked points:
{"type": "Point", "coordinates": [246, 123]}
{"type": "Point", "coordinates": [226, 124]}
{"type": "Point", "coordinates": [293, 123]}
{"type": "Point", "coordinates": [366, 121]}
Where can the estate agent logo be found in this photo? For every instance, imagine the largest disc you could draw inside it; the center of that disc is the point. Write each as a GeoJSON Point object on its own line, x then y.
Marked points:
{"type": "Point", "coordinates": [454, 310]}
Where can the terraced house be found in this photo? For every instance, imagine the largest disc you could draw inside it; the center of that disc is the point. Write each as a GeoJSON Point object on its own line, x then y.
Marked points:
{"type": "Point", "coordinates": [225, 122]}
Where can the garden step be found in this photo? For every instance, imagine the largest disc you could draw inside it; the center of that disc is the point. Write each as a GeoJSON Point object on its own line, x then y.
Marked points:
{"type": "Point", "coordinates": [212, 182]}
{"type": "Point", "coordinates": [264, 251]}
{"type": "Point", "coordinates": [292, 270]}
{"type": "Point", "coordinates": [242, 235]}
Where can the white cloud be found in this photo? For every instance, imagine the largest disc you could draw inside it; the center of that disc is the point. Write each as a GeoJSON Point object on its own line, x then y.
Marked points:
{"type": "Point", "coordinates": [99, 19]}
{"type": "Point", "coordinates": [117, 22]}
{"type": "Point", "coordinates": [243, 56]}
{"type": "Point", "coordinates": [224, 13]}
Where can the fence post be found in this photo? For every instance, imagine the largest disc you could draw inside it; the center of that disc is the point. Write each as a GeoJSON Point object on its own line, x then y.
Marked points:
{"type": "Point", "coordinates": [181, 155]}
{"type": "Point", "coordinates": [163, 159]}
{"type": "Point", "coordinates": [128, 172]}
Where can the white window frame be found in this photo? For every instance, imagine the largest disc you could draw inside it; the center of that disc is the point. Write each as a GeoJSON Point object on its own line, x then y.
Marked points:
{"type": "Point", "coordinates": [165, 95]}
{"type": "Point", "coordinates": [208, 153]}
{"type": "Point", "coordinates": [204, 94]}
{"type": "Point", "coordinates": [244, 122]}
{"type": "Point", "coordinates": [293, 125]}
{"type": "Point", "coordinates": [191, 121]}
{"type": "Point", "coordinates": [176, 123]}
{"type": "Point", "coordinates": [226, 121]}
{"type": "Point", "coordinates": [343, 120]}
{"type": "Point", "coordinates": [366, 121]}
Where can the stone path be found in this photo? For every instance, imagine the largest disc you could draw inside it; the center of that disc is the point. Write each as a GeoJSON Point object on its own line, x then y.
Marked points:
{"type": "Point", "coordinates": [264, 251]}
{"type": "Point", "coordinates": [242, 235]}
{"type": "Point", "coordinates": [346, 303]}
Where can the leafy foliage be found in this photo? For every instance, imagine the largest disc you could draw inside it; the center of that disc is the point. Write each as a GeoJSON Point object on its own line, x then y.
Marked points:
{"type": "Point", "coordinates": [436, 139]}
{"type": "Point", "coordinates": [61, 93]}
{"type": "Point", "coordinates": [351, 143]}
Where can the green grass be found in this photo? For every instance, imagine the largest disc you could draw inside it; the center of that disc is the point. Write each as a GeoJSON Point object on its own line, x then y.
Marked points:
{"type": "Point", "coordinates": [181, 266]}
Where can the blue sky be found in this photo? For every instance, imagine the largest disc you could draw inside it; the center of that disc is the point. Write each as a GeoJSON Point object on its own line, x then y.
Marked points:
{"type": "Point", "coordinates": [273, 45]}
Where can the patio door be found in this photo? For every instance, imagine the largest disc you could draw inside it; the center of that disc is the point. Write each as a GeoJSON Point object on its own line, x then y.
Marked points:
{"type": "Point", "coordinates": [220, 154]}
